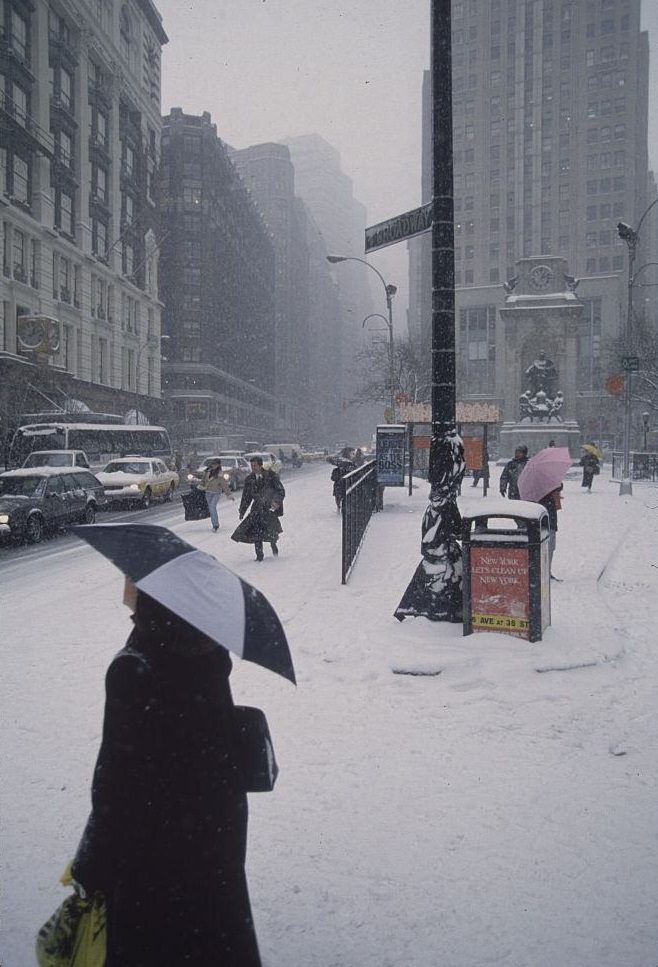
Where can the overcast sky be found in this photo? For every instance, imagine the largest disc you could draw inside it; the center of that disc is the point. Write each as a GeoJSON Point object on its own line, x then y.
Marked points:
{"type": "Point", "coordinates": [350, 71]}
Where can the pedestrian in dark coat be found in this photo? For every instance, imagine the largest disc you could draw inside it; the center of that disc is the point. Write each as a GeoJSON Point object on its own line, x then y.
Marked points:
{"type": "Point", "coordinates": [509, 478]}
{"type": "Point", "coordinates": [344, 464]}
{"type": "Point", "coordinates": [166, 839]}
{"type": "Point", "coordinates": [264, 492]}
{"type": "Point", "coordinates": [591, 467]}
{"type": "Point", "coordinates": [552, 502]}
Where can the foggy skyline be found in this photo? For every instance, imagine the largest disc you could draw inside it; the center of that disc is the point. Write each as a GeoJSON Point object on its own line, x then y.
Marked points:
{"type": "Point", "coordinates": [270, 69]}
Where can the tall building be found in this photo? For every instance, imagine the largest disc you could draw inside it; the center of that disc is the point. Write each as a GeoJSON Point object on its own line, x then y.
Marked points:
{"type": "Point", "coordinates": [550, 105]}
{"type": "Point", "coordinates": [217, 284]}
{"type": "Point", "coordinates": [79, 145]}
{"type": "Point", "coordinates": [340, 221]}
{"type": "Point", "coordinates": [268, 175]}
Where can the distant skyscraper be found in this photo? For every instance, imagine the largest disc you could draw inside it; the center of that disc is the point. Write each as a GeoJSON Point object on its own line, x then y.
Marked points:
{"type": "Point", "coordinates": [267, 173]}
{"type": "Point", "coordinates": [340, 219]}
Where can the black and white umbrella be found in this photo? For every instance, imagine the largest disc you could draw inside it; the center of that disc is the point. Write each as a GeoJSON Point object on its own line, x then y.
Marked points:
{"type": "Point", "coordinates": [197, 588]}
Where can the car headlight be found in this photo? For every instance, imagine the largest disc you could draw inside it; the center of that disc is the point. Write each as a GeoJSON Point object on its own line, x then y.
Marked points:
{"type": "Point", "coordinates": [191, 476]}
{"type": "Point", "coordinates": [4, 518]}
{"type": "Point", "coordinates": [135, 488]}
{"type": "Point", "coordinates": [227, 476]}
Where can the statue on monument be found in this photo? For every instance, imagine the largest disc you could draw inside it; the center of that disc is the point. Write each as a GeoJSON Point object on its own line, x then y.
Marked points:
{"type": "Point", "coordinates": [541, 401]}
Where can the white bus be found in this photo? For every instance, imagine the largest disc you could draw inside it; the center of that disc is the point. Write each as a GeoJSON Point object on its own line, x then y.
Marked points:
{"type": "Point", "coordinates": [101, 442]}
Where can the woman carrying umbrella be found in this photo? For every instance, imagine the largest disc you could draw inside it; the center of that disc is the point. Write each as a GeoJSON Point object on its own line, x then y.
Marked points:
{"type": "Point", "coordinates": [541, 482]}
{"type": "Point", "coordinates": [590, 462]}
{"type": "Point", "coordinates": [166, 839]}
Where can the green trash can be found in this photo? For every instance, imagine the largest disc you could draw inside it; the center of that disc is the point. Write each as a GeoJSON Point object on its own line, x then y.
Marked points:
{"type": "Point", "coordinates": [507, 581]}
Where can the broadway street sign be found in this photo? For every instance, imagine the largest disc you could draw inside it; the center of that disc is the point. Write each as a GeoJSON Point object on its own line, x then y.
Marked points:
{"type": "Point", "coordinates": [396, 229]}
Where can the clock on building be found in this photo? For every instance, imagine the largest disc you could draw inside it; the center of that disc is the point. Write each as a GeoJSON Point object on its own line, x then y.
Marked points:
{"type": "Point", "coordinates": [540, 277]}
{"type": "Point", "coordinates": [31, 331]}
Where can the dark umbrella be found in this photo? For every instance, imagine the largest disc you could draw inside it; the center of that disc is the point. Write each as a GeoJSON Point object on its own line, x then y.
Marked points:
{"type": "Point", "coordinates": [198, 589]}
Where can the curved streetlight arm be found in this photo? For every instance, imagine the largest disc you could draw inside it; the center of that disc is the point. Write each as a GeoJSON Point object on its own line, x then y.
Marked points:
{"type": "Point", "coordinates": [335, 259]}
{"type": "Point", "coordinates": [376, 315]}
{"type": "Point", "coordinates": [644, 215]}
{"type": "Point", "coordinates": [641, 268]}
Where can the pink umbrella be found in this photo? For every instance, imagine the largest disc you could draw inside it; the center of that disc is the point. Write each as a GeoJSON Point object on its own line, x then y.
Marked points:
{"type": "Point", "coordinates": [544, 472]}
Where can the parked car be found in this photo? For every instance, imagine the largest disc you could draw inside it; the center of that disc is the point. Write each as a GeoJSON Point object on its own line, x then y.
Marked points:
{"type": "Point", "coordinates": [39, 499]}
{"type": "Point", "coordinates": [137, 480]}
{"type": "Point", "coordinates": [235, 470]}
{"type": "Point", "coordinates": [270, 462]}
{"type": "Point", "coordinates": [57, 458]}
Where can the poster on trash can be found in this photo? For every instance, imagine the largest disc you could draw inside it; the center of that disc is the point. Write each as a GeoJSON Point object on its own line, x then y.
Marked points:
{"type": "Point", "coordinates": [499, 590]}
{"type": "Point", "coordinates": [391, 454]}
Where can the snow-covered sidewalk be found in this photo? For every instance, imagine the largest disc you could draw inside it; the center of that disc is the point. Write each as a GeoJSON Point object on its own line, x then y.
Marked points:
{"type": "Point", "coordinates": [501, 810]}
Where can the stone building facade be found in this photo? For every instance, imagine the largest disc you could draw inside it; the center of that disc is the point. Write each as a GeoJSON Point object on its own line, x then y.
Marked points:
{"type": "Point", "coordinates": [79, 148]}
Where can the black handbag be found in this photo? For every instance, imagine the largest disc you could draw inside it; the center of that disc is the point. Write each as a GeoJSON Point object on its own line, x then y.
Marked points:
{"type": "Point", "coordinates": [257, 761]}
{"type": "Point", "coordinates": [195, 504]}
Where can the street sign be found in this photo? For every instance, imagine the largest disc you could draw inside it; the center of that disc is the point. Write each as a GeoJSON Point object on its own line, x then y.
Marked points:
{"type": "Point", "coordinates": [396, 229]}
{"type": "Point", "coordinates": [630, 364]}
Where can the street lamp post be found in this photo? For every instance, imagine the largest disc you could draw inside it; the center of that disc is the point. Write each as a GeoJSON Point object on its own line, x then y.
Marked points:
{"type": "Point", "coordinates": [632, 237]}
{"type": "Point", "coordinates": [645, 428]}
{"type": "Point", "coordinates": [390, 291]}
{"type": "Point", "coordinates": [391, 352]}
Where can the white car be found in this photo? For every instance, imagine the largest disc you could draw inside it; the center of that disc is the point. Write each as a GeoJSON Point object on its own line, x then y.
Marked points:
{"type": "Point", "coordinates": [138, 480]}
{"type": "Point", "coordinates": [270, 462]}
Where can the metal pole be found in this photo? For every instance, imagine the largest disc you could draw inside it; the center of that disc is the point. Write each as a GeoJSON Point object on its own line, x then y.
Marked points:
{"type": "Point", "coordinates": [435, 591]}
{"type": "Point", "coordinates": [626, 485]}
{"type": "Point", "coordinates": [391, 363]}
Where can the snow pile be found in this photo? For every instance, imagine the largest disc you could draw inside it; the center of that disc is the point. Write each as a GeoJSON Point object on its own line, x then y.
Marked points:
{"type": "Point", "coordinates": [442, 800]}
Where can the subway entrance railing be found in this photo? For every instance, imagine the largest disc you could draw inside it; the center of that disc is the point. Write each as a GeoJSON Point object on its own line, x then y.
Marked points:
{"type": "Point", "coordinates": [359, 499]}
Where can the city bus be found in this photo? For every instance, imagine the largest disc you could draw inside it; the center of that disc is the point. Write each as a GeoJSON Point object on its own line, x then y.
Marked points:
{"type": "Point", "coordinates": [101, 442]}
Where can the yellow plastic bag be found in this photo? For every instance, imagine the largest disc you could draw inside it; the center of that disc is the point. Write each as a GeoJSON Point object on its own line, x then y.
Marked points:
{"type": "Point", "coordinates": [76, 934]}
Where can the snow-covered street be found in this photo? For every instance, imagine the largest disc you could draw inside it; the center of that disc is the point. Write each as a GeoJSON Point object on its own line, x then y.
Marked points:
{"type": "Point", "coordinates": [500, 808]}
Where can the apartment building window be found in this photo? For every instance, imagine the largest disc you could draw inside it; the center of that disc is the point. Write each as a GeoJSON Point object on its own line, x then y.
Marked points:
{"type": "Point", "coordinates": [604, 186]}
{"type": "Point", "coordinates": [605, 159]}
{"type": "Point", "coordinates": [192, 196]}
{"type": "Point", "coordinates": [17, 176]}
{"type": "Point", "coordinates": [605, 133]}
{"type": "Point", "coordinates": [604, 210]}
{"type": "Point", "coordinates": [64, 148]}
{"type": "Point", "coordinates": [469, 251]}
{"type": "Point", "coordinates": [591, 240]}
{"type": "Point", "coordinates": [619, 183]}
{"type": "Point", "coordinates": [99, 183]}
{"type": "Point", "coordinates": [19, 34]}
{"type": "Point", "coordinates": [128, 209]}
{"type": "Point", "coordinates": [591, 213]}
{"type": "Point", "coordinates": [468, 203]}
{"type": "Point", "coordinates": [19, 266]}
{"type": "Point", "coordinates": [128, 160]}
{"type": "Point", "coordinates": [99, 238]}
{"type": "Point", "coordinates": [98, 127]}
{"type": "Point", "coordinates": [617, 263]}
{"type": "Point", "coordinates": [588, 346]}
{"type": "Point", "coordinates": [127, 258]}
{"type": "Point", "coordinates": [605, 237]}
{"type": "Point", "coordinates": [620, 132]}
{"type": "Point", "coordinates": [590, 266]}
{"type": "Point", "coordinates": [468, 277]}
{"type": "Point", "coordinates": [477, 348]}
{"type": "Point", "coordinates": [64, 212]}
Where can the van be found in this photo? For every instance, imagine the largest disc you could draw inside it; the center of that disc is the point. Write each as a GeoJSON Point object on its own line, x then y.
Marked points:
{"type": "Point", "coordinates": [284, 451]}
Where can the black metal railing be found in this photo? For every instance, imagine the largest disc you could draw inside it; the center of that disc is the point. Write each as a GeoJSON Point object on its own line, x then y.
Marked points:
{"type": "Point", "coordinates": [643, 465]}
{"type": "Point", "coordinates": [358, 501]}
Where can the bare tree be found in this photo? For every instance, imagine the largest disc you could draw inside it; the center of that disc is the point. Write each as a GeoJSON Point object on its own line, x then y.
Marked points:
{"type": "Point", "coordinates": [371, 368]}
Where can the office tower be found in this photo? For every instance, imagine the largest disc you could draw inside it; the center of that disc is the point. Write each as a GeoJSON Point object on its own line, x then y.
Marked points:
{"type": "Point", "coordinates": [217, 284]}
{"type": "Point", "coordinates": [550, 103]}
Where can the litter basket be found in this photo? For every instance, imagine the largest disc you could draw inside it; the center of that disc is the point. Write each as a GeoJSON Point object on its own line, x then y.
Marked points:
{"type": "Point", "coordinates": [506, 584]}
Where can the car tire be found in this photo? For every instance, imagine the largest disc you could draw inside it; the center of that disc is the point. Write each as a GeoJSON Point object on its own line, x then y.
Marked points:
{"type": "Point", "coordinates": [170, 493]}
{"type": "Point", "coordinates": [34, 529]}
{"type": "Point", "coordinates": [89, 514]}
{"type": "Point", "coordinates": [146, 499]}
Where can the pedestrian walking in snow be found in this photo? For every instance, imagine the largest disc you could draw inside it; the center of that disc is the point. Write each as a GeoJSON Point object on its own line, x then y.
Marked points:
{"type": "Point", "coordinates": [344, 464]}
{"type": "Point", "coordinates": [213, 485]}
{"type": "Point", "coordinates": [483, 472]}
{"type": "Point", "coordinates": [166, 840]}
{"type": "Point", "coordinates": [264, 493]}
{"type": "Point", "coordinates": [509, 478]}
{"type": "Point", "coordinates": [591, 467]}
{"type": "Point", "coordinates": [552, 502]}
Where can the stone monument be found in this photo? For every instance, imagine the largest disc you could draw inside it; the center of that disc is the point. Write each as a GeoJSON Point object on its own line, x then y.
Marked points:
{"type": "Point", "coordinates": [538, 364]}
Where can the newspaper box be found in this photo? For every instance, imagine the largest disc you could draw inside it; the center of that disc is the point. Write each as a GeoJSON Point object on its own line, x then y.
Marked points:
{"type": "Point", "coordinates": [506, 569]}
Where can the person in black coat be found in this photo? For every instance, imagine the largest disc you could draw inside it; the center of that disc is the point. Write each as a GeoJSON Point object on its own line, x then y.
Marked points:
{"type": "Point", "coordinates": [591, 467]}
{"type": "Point", "coordinates": [264, 492]}
{"type": "Point", "coordinates": [509, 478]}
{"type": "Point", "coordinates": [552, 502]}
{"type": "Point", "coordinates": [344, 464]}
{"type": "Point", "coordinates": [166, 839]}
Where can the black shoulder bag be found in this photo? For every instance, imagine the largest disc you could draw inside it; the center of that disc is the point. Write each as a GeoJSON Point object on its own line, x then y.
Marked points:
{"type": "Point", "coordinates": [253, 741]}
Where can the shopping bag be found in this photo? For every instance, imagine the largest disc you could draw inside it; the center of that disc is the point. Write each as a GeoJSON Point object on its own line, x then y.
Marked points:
{"type": "Point", "coordinates": [76, 934]}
